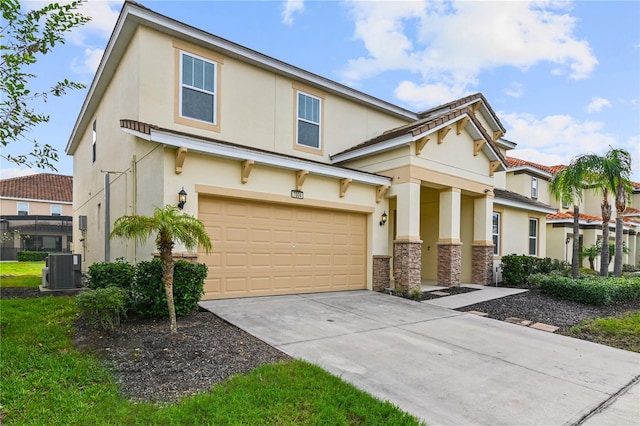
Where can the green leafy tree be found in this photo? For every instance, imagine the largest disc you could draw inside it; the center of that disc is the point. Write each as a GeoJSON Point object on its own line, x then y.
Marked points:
{"type": "Point", "coordinates": [591, 253]}
{"type": "Point", "coordinates": [610, 174]}
{"type": "Point", "coordinates": [170, 226]}
{"type": "Point", "coordinates": [24, 37]}
{"type": "Point", "coordinates": [567, 186]}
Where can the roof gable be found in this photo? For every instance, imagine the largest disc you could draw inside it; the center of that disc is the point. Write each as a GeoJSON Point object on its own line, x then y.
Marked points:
{"type": "Point", "coordinates": [43, 186]}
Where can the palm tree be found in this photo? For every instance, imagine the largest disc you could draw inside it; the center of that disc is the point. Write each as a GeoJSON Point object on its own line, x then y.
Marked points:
{"type": "Point", "coordinates": [171, 226]}
{"type": "Point", "coordinates": [567, 186]}
{"type": "Point", "coordinates": [610, 174]}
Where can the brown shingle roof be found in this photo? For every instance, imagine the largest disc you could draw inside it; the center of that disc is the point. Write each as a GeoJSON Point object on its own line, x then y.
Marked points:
{"type": "Point", "coordinates": [43, 186]}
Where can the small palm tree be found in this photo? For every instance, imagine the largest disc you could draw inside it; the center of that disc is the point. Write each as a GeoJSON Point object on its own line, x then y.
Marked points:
{"type": "Point", "coordinates": [171, 226]}
{"type": "Point", "coordinates": [567, 186]}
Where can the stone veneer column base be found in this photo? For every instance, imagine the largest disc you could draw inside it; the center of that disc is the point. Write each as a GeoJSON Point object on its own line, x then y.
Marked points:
{"type": "Point", "coordinates": [381, 272]}
{"type": "Point", "coordinates": [482, 269]}
{"type": "Point", "coordinates": [449, 264]}
{"type": "Point", "coordinates": [407, 264]}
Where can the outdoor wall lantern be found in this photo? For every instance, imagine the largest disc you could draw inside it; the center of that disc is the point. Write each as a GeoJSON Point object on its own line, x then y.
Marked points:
{"type": "Point", "coordinates": [383, 219]}
{"type": "Point", "coordinates": [568, 240]}
{"type": "Point", "coordinates": [182, 198]}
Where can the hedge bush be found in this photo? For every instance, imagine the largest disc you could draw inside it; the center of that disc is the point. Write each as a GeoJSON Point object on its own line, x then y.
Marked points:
{"type": "Point", "coordinates": [32, 256]}
{"type": "Point", "coordinates": [104, 307]}
{"type": "Point", "coordinates": [106, 274]}
{"type": "Point", "coordinates": [149, 297]}
{"type": "Point", "coordinates": [589, 290]}
{"type": "Point", "coordinates": [516, 269]}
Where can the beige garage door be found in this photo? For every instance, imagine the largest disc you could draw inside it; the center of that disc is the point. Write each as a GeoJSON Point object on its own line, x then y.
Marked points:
{"type": "Point", "coordinates": [264, 249]}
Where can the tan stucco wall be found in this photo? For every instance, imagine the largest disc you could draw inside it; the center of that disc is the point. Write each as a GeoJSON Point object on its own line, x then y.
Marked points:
{"type": "Point", "coordinates": [514, 232]}
{"type": "Point", "coordinates": [9, 207]}
{"type": "Point", "coordinates": [521, 183]}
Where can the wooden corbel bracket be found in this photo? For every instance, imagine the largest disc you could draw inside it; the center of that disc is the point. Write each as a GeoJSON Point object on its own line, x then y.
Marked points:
{"type": "Point", "coordinates": [301, 176]}
{"type": "Point", "coordinates": [181, 154]}
{"type": "Point", "coordinates": [246, 167]}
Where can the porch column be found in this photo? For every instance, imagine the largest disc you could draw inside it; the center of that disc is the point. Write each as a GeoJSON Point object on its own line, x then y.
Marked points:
{"type": "Point", "coordinates": [449, 244]}
{"type": "Point", "coordinates": [482, 249]}
{"type": "Point", "coordinates": [407, 247]}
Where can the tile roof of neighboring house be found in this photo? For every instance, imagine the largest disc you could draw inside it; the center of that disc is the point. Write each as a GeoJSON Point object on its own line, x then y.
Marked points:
{"type": "Point", "coordinates": [630, 211]}
{"type": "Point", "coordinates": [431, 119]}
{"type": "Point", "coordinates": [569, 215]}
{"type": "Point", "coordinates": [43, 186]}
{"type": "Point", "coordinates": [514, 196]}
{"type": "Point", "coordinates": [636, 186]}
{"type": "Point", "coordinates": [516, 162]}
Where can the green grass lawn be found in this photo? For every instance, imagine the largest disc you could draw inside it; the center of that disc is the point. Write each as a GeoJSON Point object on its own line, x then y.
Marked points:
{"type": "Point", "coordinates": [22, 274]}
{"type": "Point", "coordinates": [620, 332]}
{"type": "Point", "coordinates": [45, 380]}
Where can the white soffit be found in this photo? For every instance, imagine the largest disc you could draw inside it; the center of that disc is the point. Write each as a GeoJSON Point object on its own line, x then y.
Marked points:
{"type": "Point", "coordinates": [523, 206]}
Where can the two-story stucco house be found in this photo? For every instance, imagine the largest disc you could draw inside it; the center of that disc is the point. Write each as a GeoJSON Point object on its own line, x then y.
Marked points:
{"type": "Point", "coordinates": [35, 214]}
{"type": "Point", "coordinates": [304, 184]}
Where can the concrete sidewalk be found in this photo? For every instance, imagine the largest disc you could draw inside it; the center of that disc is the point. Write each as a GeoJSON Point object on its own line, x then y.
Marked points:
{"type": "Point", "coordinates": [444, 366]}
{"type": "Point", "coordinates": [483, 294]}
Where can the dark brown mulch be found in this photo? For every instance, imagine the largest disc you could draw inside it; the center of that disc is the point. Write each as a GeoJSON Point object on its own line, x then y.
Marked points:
{"type": "Point", "coordinates": [19, 292]}
{"type": "Point", "coordinates": [150, 365]}
{"type": "Point", "coordinates": [428, 295]}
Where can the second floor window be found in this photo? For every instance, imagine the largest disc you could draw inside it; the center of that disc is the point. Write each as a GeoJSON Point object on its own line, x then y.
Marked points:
{"type": "Point", "coordinates": [56, 210]}
{"type": "Point", "coordinates": [23, 209]}
{"type": "Point", "coordinates": [534, 187]}
{"type": "Point", "coordinates": [309, 114]}
{"type": "Point", "coordinates": [94, 140]}
{"type": "Point", "coordinates": [197, 89]}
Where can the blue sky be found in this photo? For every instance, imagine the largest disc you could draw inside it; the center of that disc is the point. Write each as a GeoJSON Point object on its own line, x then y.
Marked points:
{"type": "Point", "coordinates": [564, 77]}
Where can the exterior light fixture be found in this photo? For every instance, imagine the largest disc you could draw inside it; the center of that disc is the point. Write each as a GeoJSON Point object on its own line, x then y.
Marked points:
{"type": "Point", "coordinates": [383, 219]}
{"type": "Point", "coordinates": [182, 198]}
{"type": "Point", "coordinates": [568, 240]}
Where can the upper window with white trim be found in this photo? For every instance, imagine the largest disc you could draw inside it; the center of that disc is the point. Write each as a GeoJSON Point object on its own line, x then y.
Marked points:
{"type": "Point", "coordinates": [534, 187]}
{"type": "Point", "coordinates": [309, 124]}
{"type": "Point", "coordinates": [197, 88]}
{"type": "Point", "coordinates": [56, 210]}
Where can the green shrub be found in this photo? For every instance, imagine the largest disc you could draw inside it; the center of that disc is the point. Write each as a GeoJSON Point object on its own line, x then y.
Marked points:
{"type": "Point", "coordinates": [588, 272]}
{"type": "Point", "coordinates": [516, 269]}
{"type": "Point", "coordinates": [107, 274]}
{"type": "Point", "coordinates": [149, 297]}
{"type": "Point", "coordinates": [629, 268]}
{"type": "Point", "coordinates": [32, 256]}
{"type": "Point", "coordinates": [103, 307]}
{"type": "Point", "coordinates": [591, 290]}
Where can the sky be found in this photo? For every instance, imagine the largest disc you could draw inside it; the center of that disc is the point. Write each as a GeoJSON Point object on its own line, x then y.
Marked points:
{"type": "Point", "coordinates": [562, 76]}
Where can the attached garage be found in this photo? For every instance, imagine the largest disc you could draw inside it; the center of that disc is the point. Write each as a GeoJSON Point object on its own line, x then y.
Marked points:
{"type": "Point", "coordinates": [262, 248]}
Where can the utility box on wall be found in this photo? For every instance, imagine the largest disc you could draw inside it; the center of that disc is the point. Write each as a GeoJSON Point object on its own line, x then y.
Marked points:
{"type": "Point", "coordinates": [62, 272]}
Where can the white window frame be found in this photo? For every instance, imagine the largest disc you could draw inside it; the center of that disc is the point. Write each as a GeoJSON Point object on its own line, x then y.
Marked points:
{"type": "Point", "coordinates": [533, 238]}
{"type": "Point", "coordinates": [496, 245]}
{"type": "Point", "coordinates": [534, 187]}
{"type": "Point", "coordinates": [94, 140]}
{"type": "Point", "coordinates": [57, 207]}
{"type": "Point", "coordinates": [213, 93]}
{"type": "Point", "coordinates": [18, 209]}
{"type": "Point", "coordinates": [298, 119]}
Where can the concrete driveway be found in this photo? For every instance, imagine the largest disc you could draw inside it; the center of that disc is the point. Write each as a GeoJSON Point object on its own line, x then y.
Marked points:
{"type": "Point", "coordinates": [443, 366]}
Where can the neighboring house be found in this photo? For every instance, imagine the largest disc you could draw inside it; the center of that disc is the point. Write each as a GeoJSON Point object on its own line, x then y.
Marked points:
{"type": "Point", "coordinates": [303, 184]}
{"type": "Point", "coordinates": [559, 234]}
{"type": "Point", "coordinates": [35, 214]}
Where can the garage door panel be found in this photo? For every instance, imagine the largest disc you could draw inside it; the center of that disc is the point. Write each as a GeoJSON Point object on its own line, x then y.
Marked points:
{"type": "Point", "coordinates": [261, 248]}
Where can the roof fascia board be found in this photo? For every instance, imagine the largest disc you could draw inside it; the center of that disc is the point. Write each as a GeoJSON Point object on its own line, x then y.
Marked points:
{"type": "Point", "coordinates": [374, 149]}
{"type": "Point", "coordinates": [36, 200]}
{"type": "Point", "coordinates": [531, 169]}
{"type": "Point", "coordinates": [523, 206]}
{"type": "Point", "coordinates": [273, 160]}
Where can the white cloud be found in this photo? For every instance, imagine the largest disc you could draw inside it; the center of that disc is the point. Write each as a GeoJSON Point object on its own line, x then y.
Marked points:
{"type": "Point", "coordinates": [289, 9]}
{"type": "Point", "coordinates": [88, 64]}
{"type": "Point", "coordinates": [15, 172]}
{"type": "Point", "coordinates": [555, 139]}
{"type": "Point", "coordinates": [455, 41]}
{"type": "Point", "coordinates": [514, 90]}
{"type": "Point", "coordinates": [597, 104]}
{"type": "Point", "coordinates": [423, 96]}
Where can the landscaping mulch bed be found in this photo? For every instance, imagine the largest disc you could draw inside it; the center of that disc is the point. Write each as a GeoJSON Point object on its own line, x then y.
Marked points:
{"type": "Point", "coordinates": [452, 291]}
{"type": "Point", "coordinates": [150, 365]}
{"type": "Point", "coordinates": [539, 307]}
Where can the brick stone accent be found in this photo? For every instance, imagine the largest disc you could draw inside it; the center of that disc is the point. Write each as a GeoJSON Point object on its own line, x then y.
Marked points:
{"type": "Point", "coordinates": [381, 272]}
{"type": "Point", "coordinates": [482, 269]}
{"type": "Point", "coordinates": [189, 257]}
{"type": "Point", "coordinates": [407, 264]}
{"type": "Point", "coordinates": [449, 264]}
